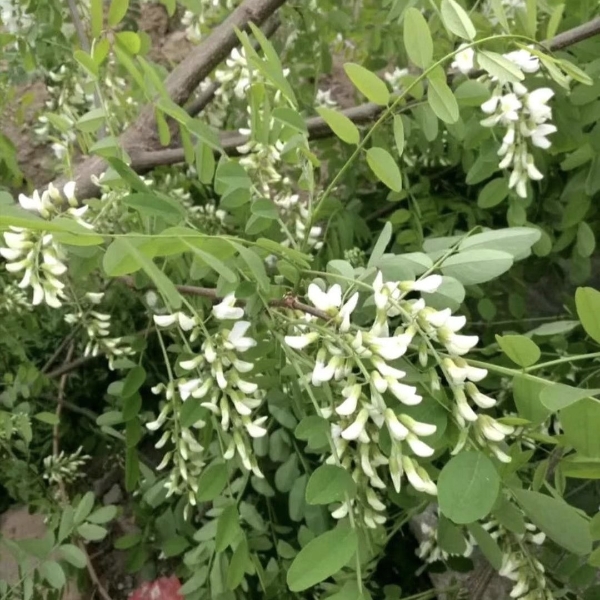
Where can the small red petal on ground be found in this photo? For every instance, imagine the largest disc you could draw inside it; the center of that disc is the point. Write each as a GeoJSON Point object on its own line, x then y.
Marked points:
{"type": "Point", "coordinates": [165, 588]}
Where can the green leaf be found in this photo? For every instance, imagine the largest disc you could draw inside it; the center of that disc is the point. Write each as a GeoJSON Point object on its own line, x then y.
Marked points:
{"type": "Point", "coordinates": [238, 565]}
{"type": "Point", "coordinates": [531, 17]}
{"type": "Point", "coordinates": [116, 12]}
{"type": "Point", "coordinates": [457, 20]}
{"type": "Point", "coordinates": [212, 482]}
{"type": "Point", "coordinates": [575, 72]}
{"type": "Point", "coordinates": [417, 38]}
{"type": "Point", "coordinates": [96, 17]}
{"type": "Point", "coordinates": [151, 205]}
{"type": "Point", "coordinates": [329, 484]}
{"type": "Point", "coordinates": [581, 426]}
{"type": "Point", "coordinates": [205, 163]}
{"type": "Point", "coordinates": [555, 328]}
{"type": "Point", "coordinates": [587, 301]}
{"type": "Point", "coordinates": [290, 117]}
{"type": "Point", "coordinates": [130, 41]}
{"type": "Point", "coordinates": [321, 558]}
{"type": "Point", "coordinates": [498, 66]}
{"type": "Point", "coordinates": [559, 521]}
{"type": "Point", "coordinates": [340, 124]}
{"type": "Point", "coordinates": [385, 168]}
{"type": "Point", "coordinates": [228, 528]}
{"type": "Point", "coordinates": [133, 382]}
{"type": "Point", "coordinates": [73, 555]}
{"type": "Point", "coordinates": [91, 532]}
{"type": "Point", "coordinates": [517, 241]}
{"type": "Point", "coordinates": [471, 93]}
{"type": "Point", "coordinates": [509, 516]}
{"type": "Point", "coordinates": [265, 208]}
{"type": "Point", "coordinates": [255, 264]}
{"type": "Point", "coordinates": [368, 84]}
{"type": "Point", "coordinates": [128, 541]}
{"type": "Point", "coordinates": [477, 266]}
{"type": "Point", "coordinates": [132, 469]}
{"type": "Point", "coordinates": [53, 573]}
{"type": "Point", "coordinates": [195, 582]}
{"type": "Point", "coordinates": [442, 100]}
{"type": "Point", "coordinates": [212, 261]}
{"type": "Point", "coordinates": [586, 240]}
{"type": "Point", "coordinates": [67, 521]}
{"type": "Point", "coordinates": [87, 62]}
{"type": "Point", "coordinates": [468, 487]}
{"type": "Point", "coordinates": [385, 237]}
{"type": "Point", "coordinates": [595, 527]}
{"type": "Point", "coordinates": [84, 508]}
{"type": "Point", "coordinates": [520, 349]}
{"type": "Point", "coordinates": [399, 134]}
{"type": "Point", "coordinates": [91, 120]}
{"type": "Point", "coordinates": [527, 396]}
{"type": "Point", "coordinates": [47, 417]}
{"type": "Point", "coordinates": [559, 395]}
{"type": "Point", "coordinates": [487, 544]}
{"type": "Point", "coordinates": [103, 515]}
{"type": "Point", "coordinates": [174, 546]}
{"type": "Point", "coordinates": [450, 537]}
{"type": "Point", "coordinates": [494, 192]}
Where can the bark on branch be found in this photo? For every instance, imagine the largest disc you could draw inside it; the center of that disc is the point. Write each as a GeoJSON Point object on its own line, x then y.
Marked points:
{"type": "Point", "coordinates": [180, 84]}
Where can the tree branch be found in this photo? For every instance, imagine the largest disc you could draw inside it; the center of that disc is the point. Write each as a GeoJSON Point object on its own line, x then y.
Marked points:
{"type": "Point", "coordinates": [318, 128]}
{"type": "Point", "coordinates": [139, 141]}
{"type": "Point", "coordinates": [180, 84]}
{"type": "Point", "coordinates": [211, 293]}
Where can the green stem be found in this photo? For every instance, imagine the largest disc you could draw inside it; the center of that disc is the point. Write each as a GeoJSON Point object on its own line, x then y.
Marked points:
{"type": "Point", "coordinates": [560, 361]}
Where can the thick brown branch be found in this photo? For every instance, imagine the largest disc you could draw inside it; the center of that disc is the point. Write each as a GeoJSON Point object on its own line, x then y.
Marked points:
{"type": "Point", "coordinates": [180, 84]}
{"type": "Point", "coordinates": [574, 36]}
{"type": "Point", "coordinates": [211, 293]}
{"type": "Point", "coordinates": [364, 113]}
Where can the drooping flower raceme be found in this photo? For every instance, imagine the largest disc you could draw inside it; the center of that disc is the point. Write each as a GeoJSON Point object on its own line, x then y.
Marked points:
{"type": "Point", "coordinates": [215, 379]}
{"type": "Point", "coordinates": [525, 117]}
{"type": "Point", "coordinates": [35, 255]}
{"type": "Point", "coordinates": [368, 391]}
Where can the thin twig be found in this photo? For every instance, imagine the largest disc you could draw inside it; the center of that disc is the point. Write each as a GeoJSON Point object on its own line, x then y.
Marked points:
{"type": "Point", "coordinates": [64, 498]}
{"type": "Point", "coordinates": [574, 36]}
{"type": "Point", "coordinates": [211, 293]}
{"type": "Point", "coordinates": [61, 348]}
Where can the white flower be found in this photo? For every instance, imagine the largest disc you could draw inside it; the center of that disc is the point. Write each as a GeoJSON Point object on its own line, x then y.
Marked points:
{"type": "Point", "coordinates": [526, 61]}
{"type": "Point", "coordinates": [255, 429]}
{"type": "Point", "coordinates": [226, 309]}
{"type": "Point", "coordinates": [462, 405]}
{"type": "Point", "coordinates": [418, 477]}
{"type": "Point", "coordinates": [460, 344]}
{"type": "Point", "coordinates": [385, 369]}
{"type": "Point", "coordinates": [418, 447]}
{"type": "Point", "coordinates": [479, 398]}
{"type": "Point", "coordinates": [329, 301]}
{"type": "Point", "coordinates": [539, 136]}
{"type": "Point", "coordinates": [492, 429]}
{"type": "Point", "coordinates": [346, 312]}
{"type": "Point", "coordinates": [417, 427]}
{"type": "Point", "coordinates": [187, 387]}
{"type": "Point", "coordinates": [428, 284]}
{"type": "Point", "coordinates": [165, 320]}
{"type": "Point", "coordinates": [186, 323]}
{"type": "Point", "coordinates": [397, 430]}
{"type": "Point", "coordinates": [390, 348]}
{"type": "Point", "coordinates": [353, 431]}
{"type": "Point", "coordinates": [464, 60]}
{"type": "Point", "coordinates": [298, 342]}
{"type": "Point", "coordinates": [323, 372]}
{"type": "Point", "coordinates": [352, 394]}
{"type": "Point", "coordinates": [236, 338]}
{"type": "Point", "coordinates": [405, 393]}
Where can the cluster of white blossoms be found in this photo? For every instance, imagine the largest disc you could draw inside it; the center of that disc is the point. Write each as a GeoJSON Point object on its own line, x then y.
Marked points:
{"type": "Point", "coordinates": [369, 393]}
{"type": "Point", "coordinates": [214, 378]}
{"type": "Point", "coordinates": [64, 468]}
{"type": "Point", "coordinates": [324, 99]}
{"type": "Point", "coordinates": [14, 17]}
{"type": "Point", "coordinates": [524, 115]}
{"type": "Point", "coordinates": [395, 77]}
{"type": "Point", "coordinates": [35, 254]}
{"type": "Point", "coordinates": [518, 565]}
{"type": "Point", "coordinates": [14, 300]}
{"type": "Point", "coordinates": [205, 14]}
{"type": "Point", "coordinates": [97, 328]}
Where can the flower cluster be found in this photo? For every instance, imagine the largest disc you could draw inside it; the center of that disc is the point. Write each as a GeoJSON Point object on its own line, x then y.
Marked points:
{"type": "Point", "coordinates": [13, 300]}
{"type": "Point", "coordinates": [64, 468]}
{"type": "Point", "coordinates": [14, 18]}
{"type": "Point", "coordinates": [215, 379]}
{"type": "Point", "coordinates": [97, 328]}
{"type": "Point", "coordinates": [36, 254]}
{"type": "Point", "coordinates": [206, 12]}
{"type": "Point", "coordinates": [368, 391]}
{"type": "Point", "coordinates": [524, 114]}
{"type": "Point", "coordinates": [518, 564]}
